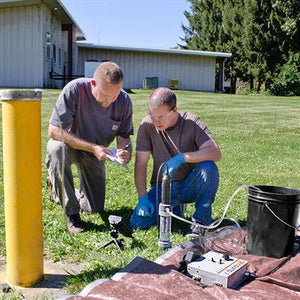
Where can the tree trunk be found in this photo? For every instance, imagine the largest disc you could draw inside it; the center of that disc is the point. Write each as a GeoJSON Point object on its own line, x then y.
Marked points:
{"type": "Point", "coordinates": [251, 83]}
{"type": "Point", "coordinates": [267, 87]}
{"type": "Point", "coordinates": [259, 86]}
{"type": "Point", "coordinates": [233, 84]}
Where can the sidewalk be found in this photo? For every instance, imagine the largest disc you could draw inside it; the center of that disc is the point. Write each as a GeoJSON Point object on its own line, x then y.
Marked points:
{"type": "Point", "coordinates": [51, 287]}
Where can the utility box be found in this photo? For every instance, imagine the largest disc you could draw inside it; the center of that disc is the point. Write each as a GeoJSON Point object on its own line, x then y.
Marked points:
{"type": "Point", "coordinates": [150, 83]}
{"type": "Point", "coordinates": [174, 83]}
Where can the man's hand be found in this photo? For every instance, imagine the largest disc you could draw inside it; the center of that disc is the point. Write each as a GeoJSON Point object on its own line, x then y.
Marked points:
{"type": "Point", "coordinates": [145, 207]}
{"type": "Point", "coordinates": [173, 164]}
{"type": "Point", "coordinates": [75, 142]}
{"type": "Point", "coordinates": [100, 152]}
{"type": "Point", "coordinates": [124, 156]}
{"type": "Point", "coordinates": [124, 149]}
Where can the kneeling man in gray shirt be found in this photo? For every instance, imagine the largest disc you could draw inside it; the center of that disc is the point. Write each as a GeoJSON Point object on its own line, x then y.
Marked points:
{"type": "Point", "coordinates": [92, 113]}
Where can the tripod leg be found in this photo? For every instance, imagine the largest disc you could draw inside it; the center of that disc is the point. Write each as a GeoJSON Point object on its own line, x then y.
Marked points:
{"type": "Point", "coordinates": [107, 244]}
{"type": "Point", "coordinates": [119, 244]}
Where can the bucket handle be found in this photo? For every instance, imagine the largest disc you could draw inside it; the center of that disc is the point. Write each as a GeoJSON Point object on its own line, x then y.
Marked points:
{"type": "Point", "coordinates": [267, 206]}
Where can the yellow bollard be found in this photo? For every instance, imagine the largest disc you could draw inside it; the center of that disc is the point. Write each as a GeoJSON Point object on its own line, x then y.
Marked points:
{"type": "Point", "coordinates": [21, 116]}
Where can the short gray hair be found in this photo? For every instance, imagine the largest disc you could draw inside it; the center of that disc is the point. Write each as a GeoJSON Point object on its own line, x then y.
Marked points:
{"type": "Point", "coordinates": [109, 71]}
{"type": "Point", "coordinates": [162, 96]}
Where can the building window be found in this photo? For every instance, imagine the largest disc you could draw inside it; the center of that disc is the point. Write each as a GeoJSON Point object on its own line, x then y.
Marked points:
{"type": "Point", "coordinates": [59, 56]}
{"type": "Point", "coordinates": [48, 43]}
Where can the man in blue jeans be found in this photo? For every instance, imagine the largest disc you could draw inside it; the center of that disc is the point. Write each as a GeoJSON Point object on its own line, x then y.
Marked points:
{"type": "Point", "coordinates": [181, 143]}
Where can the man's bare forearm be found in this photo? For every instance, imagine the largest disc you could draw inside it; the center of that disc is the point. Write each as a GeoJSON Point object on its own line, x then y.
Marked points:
{"type": "Point", "coordinates": [210, 151]}
{"type": "Point", "coordinates": [140, 179]}
{"type": "Point", "coordinates": [75, 142]}
{"type": "Point", "coordinates": [70, 139]}
{"type": "Point", "coordinates": [124, 143]}
{"type": "Point", "coordinates": [140, 183]}
{"type": "Point", "coordinates": [140, 172]}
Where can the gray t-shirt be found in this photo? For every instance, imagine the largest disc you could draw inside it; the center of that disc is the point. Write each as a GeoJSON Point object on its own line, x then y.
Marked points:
{"type": "Point", "coordinates": [188, 134]}
{"type": "Point", "coordinates": [82, 115]}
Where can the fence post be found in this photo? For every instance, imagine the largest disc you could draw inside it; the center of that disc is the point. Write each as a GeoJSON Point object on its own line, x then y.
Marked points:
{"type": "Point", "coordinates": [21, 117]}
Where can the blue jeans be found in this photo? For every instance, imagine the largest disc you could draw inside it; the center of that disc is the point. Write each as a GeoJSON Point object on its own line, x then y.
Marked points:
{"type": "Point", "coordinates": [199, 187]}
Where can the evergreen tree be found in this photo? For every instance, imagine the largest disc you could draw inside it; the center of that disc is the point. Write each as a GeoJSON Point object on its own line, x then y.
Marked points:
{"type": "Point", "coordinates": [261, 35]}
{"type": "Point", "coordinates": [233, 15]}
{"type": "Point", "coordinates": [193, 31]}
{"type": "Point", "coordinates": [215, 25]}
{"type": "Point", "coordinates": [205, 25]}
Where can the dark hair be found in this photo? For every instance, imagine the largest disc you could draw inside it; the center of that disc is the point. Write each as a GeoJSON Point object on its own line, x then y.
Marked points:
{"type": "Point", "coordinates": [109, 71]}
{"type": "Point", "coordinates": [162, 96]}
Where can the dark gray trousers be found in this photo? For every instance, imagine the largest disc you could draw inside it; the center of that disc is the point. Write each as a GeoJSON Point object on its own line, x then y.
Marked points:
{"type": "Point", "coordinates": [91, 173]}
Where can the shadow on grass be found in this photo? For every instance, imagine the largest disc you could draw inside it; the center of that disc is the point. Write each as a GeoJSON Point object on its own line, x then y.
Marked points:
{"type": "Point", "coordinates": [77, 282]}
{"type": "Point", "coordinates": [124, 229]}
{"type": "Point", "coordinates": [90, 226]}
{"type": "Point", "coordinates": [183, 228]}
{"type": "Point", "coordinates": [124, 212]}
{"type": "Point", "coordinates": [137, 244]}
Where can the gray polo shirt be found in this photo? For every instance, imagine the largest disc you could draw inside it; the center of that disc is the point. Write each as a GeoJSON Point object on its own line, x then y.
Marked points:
{"type": "Point", "coordinates": [82, 115]}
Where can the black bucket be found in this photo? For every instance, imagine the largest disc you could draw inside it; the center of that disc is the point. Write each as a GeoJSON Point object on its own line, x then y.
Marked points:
{"type": "Point", "coordinates": [266, 234]}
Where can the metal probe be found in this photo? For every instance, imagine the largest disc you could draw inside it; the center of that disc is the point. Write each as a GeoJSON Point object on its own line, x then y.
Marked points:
{"type": "Point", "coordinates": [165, 218]}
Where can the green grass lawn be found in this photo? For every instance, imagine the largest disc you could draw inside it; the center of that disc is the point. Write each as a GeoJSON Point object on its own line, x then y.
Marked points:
{"type": "Point", "coordinates": [260, 141]}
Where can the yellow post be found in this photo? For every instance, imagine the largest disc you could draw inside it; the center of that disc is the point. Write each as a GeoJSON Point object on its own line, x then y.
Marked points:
{"type": "Point", "coordinates": [21, 116]}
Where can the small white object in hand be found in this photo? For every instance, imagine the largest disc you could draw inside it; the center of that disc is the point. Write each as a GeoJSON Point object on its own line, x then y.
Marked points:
{"type": "Point", "coordinates": [114, 158]}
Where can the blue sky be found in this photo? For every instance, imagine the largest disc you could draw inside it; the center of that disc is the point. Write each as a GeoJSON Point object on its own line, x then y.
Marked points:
{"type": "Point", "coordinates": [136, 23]}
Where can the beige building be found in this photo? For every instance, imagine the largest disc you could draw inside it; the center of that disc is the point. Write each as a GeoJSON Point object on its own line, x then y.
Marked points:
{"type": "Point", "coordinates": [38, 41]}
{"type": "Point", "coordinates": [42, 46]}
{"type": "Point", "coordinates": [194, 70]}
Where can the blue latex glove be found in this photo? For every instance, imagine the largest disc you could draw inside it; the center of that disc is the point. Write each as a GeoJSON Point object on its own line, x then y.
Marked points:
{"type": "Point", "coordinates": [145, 207]}
{"type": "Point", "coordinates": [173, 164]}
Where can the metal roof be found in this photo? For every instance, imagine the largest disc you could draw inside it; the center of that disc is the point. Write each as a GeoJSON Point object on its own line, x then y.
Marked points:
{"type": "Point", "coordinates": [58, 9]}
{"type": "Point", "coordinates": [154, 50]}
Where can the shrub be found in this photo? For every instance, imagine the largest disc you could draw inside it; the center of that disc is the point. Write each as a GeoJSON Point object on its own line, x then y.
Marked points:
{"type": "Point", "coordinates": [287, 80]}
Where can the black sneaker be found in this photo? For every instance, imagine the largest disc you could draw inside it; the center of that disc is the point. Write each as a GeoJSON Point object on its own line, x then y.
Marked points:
{"type": "Point", "coordinates": [75, 224]}
{"type": "Point", "coordinates": [196, 231]}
